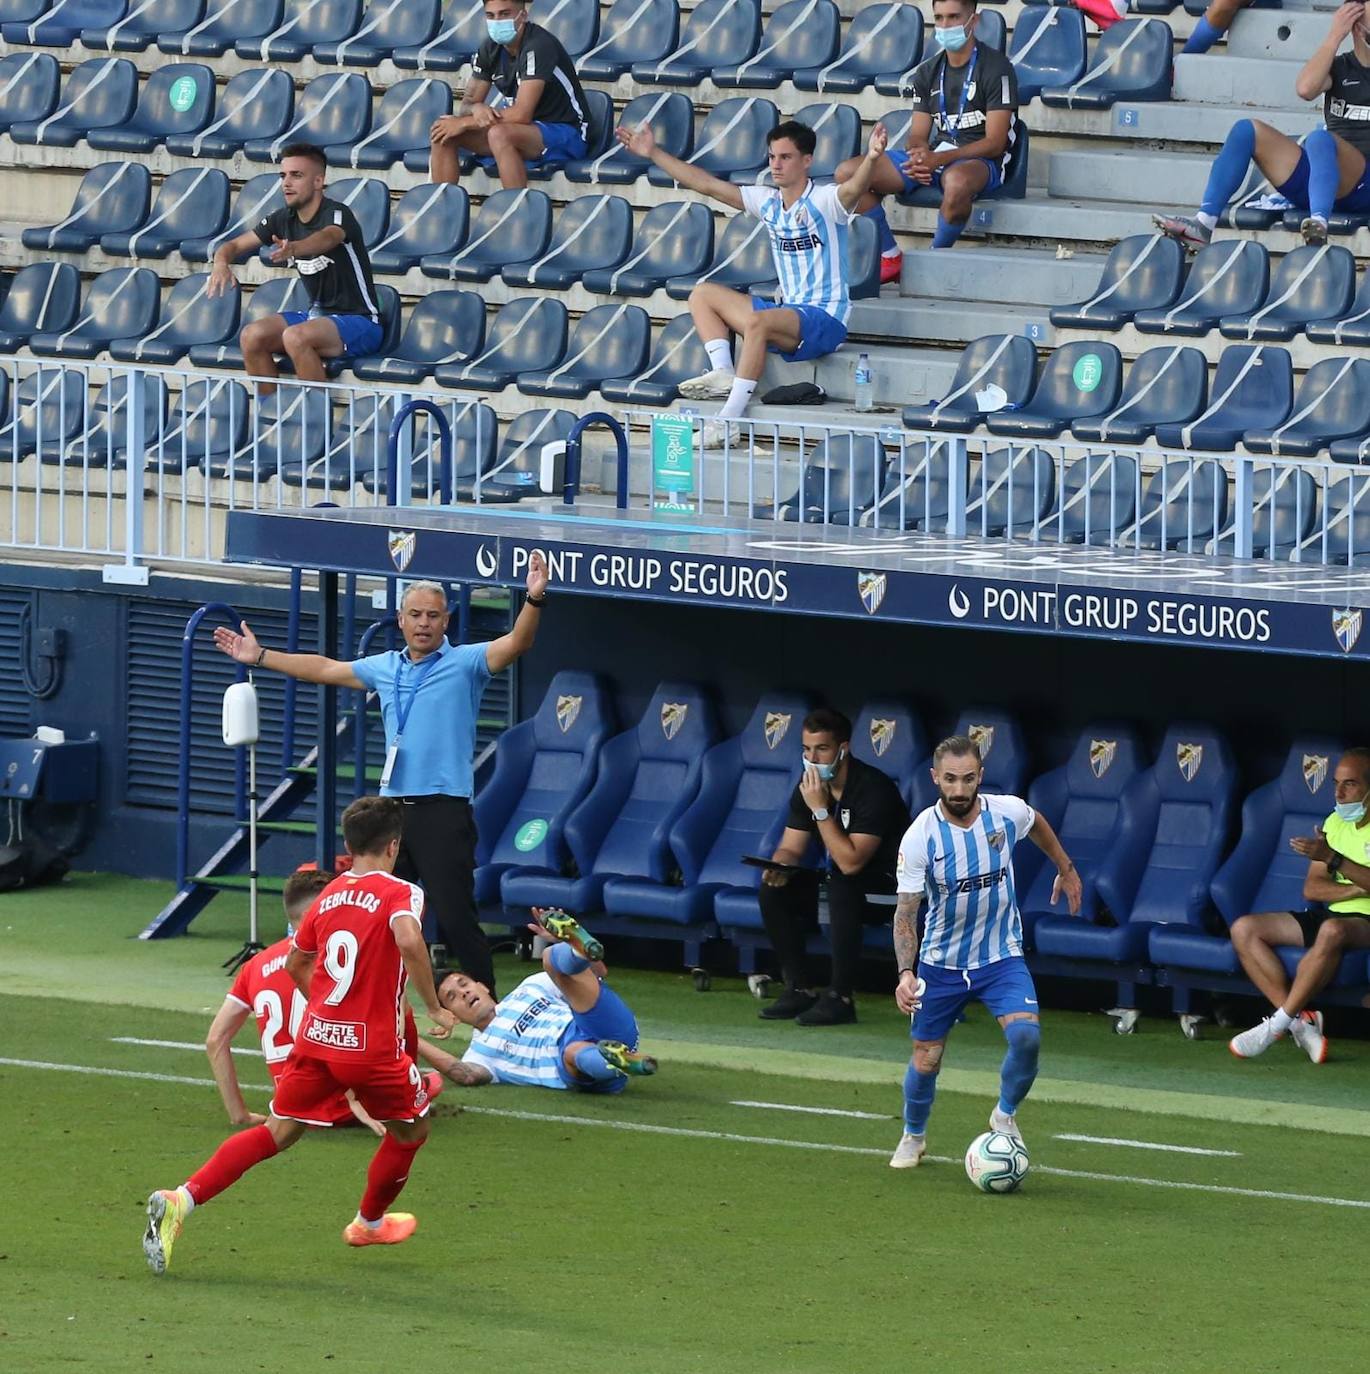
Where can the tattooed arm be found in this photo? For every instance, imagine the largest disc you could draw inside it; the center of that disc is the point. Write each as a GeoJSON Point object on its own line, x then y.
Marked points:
{"type": "Point", "coordinates": [906, 950]}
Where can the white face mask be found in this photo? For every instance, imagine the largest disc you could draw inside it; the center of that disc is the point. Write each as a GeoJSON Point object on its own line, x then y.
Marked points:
{"type": "Point", "coordinates": [826, 770]}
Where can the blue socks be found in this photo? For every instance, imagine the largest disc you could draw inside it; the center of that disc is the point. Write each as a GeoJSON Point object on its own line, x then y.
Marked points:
{"type": "Point", "coordinates": [1229, 168]}
{"type": "Point", "coordinates": [1203, 37]}
{"type": "Point", "coordinates": [591, 1062]}
{"type": "Point", "coordinates": [876, 215]}
{"type": "Point", "coordinates": [1321, 150]}
{"type": "Point", "coordinates": [565, 960]}
{"type": "Point", "coordinates": [946, 234]}
{"type": "Point", "coordinates": [1020, 1063]}
{"type": "Point", "coordinates": [919, 1089]}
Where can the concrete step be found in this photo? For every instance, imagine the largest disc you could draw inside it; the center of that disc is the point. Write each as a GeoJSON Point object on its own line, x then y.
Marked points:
{"type": "Point", "coordinates": [1215, 79]}
{"type": "Point", "coordinates": [1286, 34]}
{"type": "Point", "coordinates": [1029, 277]}
{"type": "Point", "coordinates": [1135, 179]}
{"type": "Point", "coordinates": [1174, 122]}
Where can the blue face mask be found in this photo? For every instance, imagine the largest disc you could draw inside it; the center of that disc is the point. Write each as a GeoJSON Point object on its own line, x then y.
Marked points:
{"type": "Point", "coordinates": [826, 770]}
{"type": "Point", "coordinates": [502, 30]}
{"type": "Point", "coordinates": [951, 40]}
{"type": "Point", "coordinates": [1351, 811]}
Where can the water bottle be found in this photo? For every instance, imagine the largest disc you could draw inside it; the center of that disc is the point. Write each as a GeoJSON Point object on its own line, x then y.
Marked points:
{"type": "Point", "coordinates": [863, 392]}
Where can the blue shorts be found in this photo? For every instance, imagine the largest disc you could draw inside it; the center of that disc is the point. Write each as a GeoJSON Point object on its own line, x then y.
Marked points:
{"type": "Point", "coordinates": [900, 158]}
{"type": "Point", "coordinates": [819, 332]}
{"type": "Point", "coordinates": [360, 334]}
{"type": "Point", "coordinates": [1004, 986]}
{"type": "Point", "coordinates": [560, 143]}
{"type": "Point", "coordinates": [1295, 190]}
{"type": "Point", "coordinates": [608, 1019]}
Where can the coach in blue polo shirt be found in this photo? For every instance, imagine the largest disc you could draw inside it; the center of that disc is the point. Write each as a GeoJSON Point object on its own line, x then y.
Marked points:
{"type": "Point", "coordinates": [430, 695]}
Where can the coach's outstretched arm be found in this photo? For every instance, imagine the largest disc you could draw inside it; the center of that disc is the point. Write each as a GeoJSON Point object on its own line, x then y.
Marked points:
{"type": "Point", "coordinates": [501, 652]}
{"type": "Point", "coordinates": [244, 648]}
{"type": "Point", "coordinates": [641, 142]}
{"type": "Point", "coordinates": [1067, 875]}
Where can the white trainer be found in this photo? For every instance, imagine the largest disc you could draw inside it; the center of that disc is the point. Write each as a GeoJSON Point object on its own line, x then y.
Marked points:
{"type": "Point", "coordinates": [1306, 1029]}
{"type": "Point", "coordinates": [1005, 1124]}
{"type": "Point", "coordinates": [713, 385]}
{"type": "Point", "coordinates": [714, 434]}
{"type": "Point", "coordinates": [909, 1152]}
{"type": "Point", "coordinates": [1255, 1041]}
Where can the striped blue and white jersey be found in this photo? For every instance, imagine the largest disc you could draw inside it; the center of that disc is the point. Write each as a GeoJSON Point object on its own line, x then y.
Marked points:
{"type": "Point", "coordinates": [966, 874]}
{"type": "Point", "coordinates": [808, 243]}
{"type": "Point", "coordinates": [523, 1043]}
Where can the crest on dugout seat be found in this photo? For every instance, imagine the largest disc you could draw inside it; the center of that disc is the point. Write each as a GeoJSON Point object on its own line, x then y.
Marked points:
{"type": "Point", "coordinates": [568, 708]}
{"type": "Point", "coordinates": [882, 735]}
{"type": "Point", "coordinates": [1346, 625]}
{"type": "Point", "coordinates": [871, 588]}
{"type": "Point", "coordinates": [401, 544]}
{"type": "Point", "coordinates": [777, 724]}
{"type": "Point", "coordinates": [1189, 758]}
{"type": "Point", "coordinates": [1314, 771]}
{"type": "Point", "coordinates": [673, 715]}
{"type": "Point", "coordinates": [1101, 754]}
{"type": "Point", "coordinates": [983, 735]}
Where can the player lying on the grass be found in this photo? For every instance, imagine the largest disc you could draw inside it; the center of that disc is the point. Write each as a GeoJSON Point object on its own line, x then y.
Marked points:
{"type": "Point", "coordinates": [562, 1028]}
{"type": "Point", "coordinates": [1337, 886]}
{"type": "Point", "coordinates": [959, 855]}
{"type": "Point", "coordinates": [356, 948]}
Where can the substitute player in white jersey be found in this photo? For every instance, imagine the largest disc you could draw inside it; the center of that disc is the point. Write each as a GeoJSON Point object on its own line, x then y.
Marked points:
{"type": "Point", "coordinates": [958, 855]}
{"type": "Point", "coordinates": [562, 1028]}
{"type": "Point", "coordinates": [808, 229]}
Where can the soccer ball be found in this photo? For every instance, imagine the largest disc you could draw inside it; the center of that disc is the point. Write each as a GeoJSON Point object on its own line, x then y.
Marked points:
{"type": "Point", "coordinates": [996, 1163]}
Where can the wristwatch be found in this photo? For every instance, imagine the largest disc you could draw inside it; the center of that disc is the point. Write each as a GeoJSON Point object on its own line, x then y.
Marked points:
{"type": "Point", "coordinates": [1334, 863]}
{"type": "Point", "coordinates": [821, 814]}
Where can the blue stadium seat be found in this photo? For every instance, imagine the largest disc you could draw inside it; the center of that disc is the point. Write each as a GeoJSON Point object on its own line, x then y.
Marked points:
{"type": "Point", "coordinates": [800, 34]}
{"type": "Point", "coordinates": [403, 119]}
{"type": "Point", "coordinates": [1143, 272]}
{"type": "Point", "coordinates": [1167, 385]}
{"type": "Point", "coordinates": [292, 426]}
{"type": "Point", "coordinates": [633, 31]}
{"type": "Point", "coordinates": [1155, 867]}
{"type": "Point", "coordinates": [575, 23]}
{"type": "Point", "coordinates": [1253, 388]}
{"type": "Point", "coordinates": [1003, 751]}
{"type": "Point", "coordinates": [144, 22]}
{"type": "Point", "coordinates": [111, 196]}
{"type": "Point", "coordinates": [647, 777]}
{"type": "Point", "coordinates": [225, 23]}
{"type": "Point", "coordinates": [543, 769]}
{"type": "Point", "coordinates": [460, 32]}
{"type": "Point", "coordinates": [840, 475]}
{"type": "Point", "coordinates": [1007, 361]}
{"type": "Point", "coordinates": [742, 260]}
{"type": "Point", "coordinates": [518, 463]}
{"type": "Point", "coordinates": [21, 11]}
{"type": "Point", "coordinates": [47, 410]}
{"type": "Point", "coordinates": [671, 118]}
{"type": "Point", "coordinates": [1078, 380]}
{"type": "Point", "coordinates": [1154, 6]}
{"type": "Point", "coordinates": [120, 304]}
{"type": "Point", "coordinates": [43, 297]}
{"type": "Point", "coordinates": [744, 790]}
{"type": "Point", "coordinates": [917, 490]}
{"type": "Point", "coordinates": [1184, 504]}
{"type": "Point", "coordinates": [1099, 495]}
{"type": "Point", "coordinates": [444, 327]}
{"type": "Point", "coordinates": [716, 34]}
{"type": "Point", "coordinates": [207, 423]}
{"type": "Point", "coordinates": [104, 440]}
{"type": "Point", "coordinates": [1085, 802]}
{"type": "Point", "coordinates": [610, 341]}
{"type": "Point", "coordinates": [837, 129]}
{"type": "Point", "coordinates": [259, 196]}
{"type": "Point", "coordinates": [600, 122]}
{"type": "Point", "coordinates": [1132, 61]}
{"type": "Point", "coordinates": [732, 139]}
{"type": "Point", "coordinates": [1350, 327]}
{"type": "Point", "coordinates": [1262, 873]}
{"type": "Point", "coordinates": [176, 100]}
{"type": "Point", "coordinates": [386, 26]}
{"type": "Point", "coordinates": [99, 94]}
{"type": "Point", "coordinates": [1229, 277]}
{"type": "Point", "coordinates": [1311, 283]}
{"type": "Point", "coordinates": [194, 198]}
{"type": "Point", "coordinates": [678, 354]}
{"type": "Point", "coordinates": [271, 298]}
{"type": "Point", "coordinates": [528, 333]}
{"type": "Point", "coordinates": [60, 24]}
{"type": "Point", "coordinates": [334, 109]}
{"type": "Point", "coordinates": [672, 240]}
{"type": "Point", "coordinates": [28, 87]}
{"type": "Point", "coordinates": [369, 200]}
{"type": "Point", "coordinates": [509, 227]}
{"type": "Point", "coordinates": [888, 735]}
{"type": "Point", "coordinates": [883, 41]}
{"type": "Point", "coordinates": [1284, 505]}
{"type": "Point", "coordinates": [475, 432]}
{"type": "Point", "coordinates": [429, 220]}
{"type": "Point", "coordinates": [1048, 49]}
{"type": "Point", "coordinates": [1333, 403]}
{"type": "Point", "coordinates": [256, 104]}
{"type": "Point", "coordinates": [357, 446]}
{"type": "Point", "coordinates": [189, 317]}
{"type": "Point", "coordinates": [1012, 492]}
{"type": "Point", "coordinates": [1342, 535]}
{"type": "Point", "coordinates": [863, 259]}
{"type": "Point", "coordinates": [592, 232]}
{"type": "Point", "coordinates": [301, 29]}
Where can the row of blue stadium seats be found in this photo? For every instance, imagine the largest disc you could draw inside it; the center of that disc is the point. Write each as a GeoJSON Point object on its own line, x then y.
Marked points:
{"type": "Point", "coordinates": [1080, 387]}
{"type": "Point", "coordinates": [644, 830]}
{"type": "Point", "coordinates": [1230, 287]}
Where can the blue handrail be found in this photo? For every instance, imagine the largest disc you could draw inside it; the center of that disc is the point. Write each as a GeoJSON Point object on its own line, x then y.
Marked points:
{"type": "Point", "coordinates": [572, 485]}
{"type": "Point", "coordinates": [392, 452]}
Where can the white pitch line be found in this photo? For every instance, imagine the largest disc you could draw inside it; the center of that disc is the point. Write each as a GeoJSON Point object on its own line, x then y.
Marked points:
{"type": "Point", "coordinates": [1148, 1145]}
{"type": "Point", "coordinates": [641, 1127]}
{"type": "Point", "coordinates": [814, 1111]}
{"type": "Point", "coordinates": [175, 1045]}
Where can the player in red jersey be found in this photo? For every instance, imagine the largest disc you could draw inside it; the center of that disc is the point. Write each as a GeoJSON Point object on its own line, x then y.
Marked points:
{"type": "Point", "coordinates": [354, 951]}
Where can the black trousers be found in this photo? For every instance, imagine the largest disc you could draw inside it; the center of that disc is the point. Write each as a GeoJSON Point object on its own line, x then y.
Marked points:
{"type": "Point", "coordinates": [790, 914]}
{"type": "Point", "coordinates": [438, 851]}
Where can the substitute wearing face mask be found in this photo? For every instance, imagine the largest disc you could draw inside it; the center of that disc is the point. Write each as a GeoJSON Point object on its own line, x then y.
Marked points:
{"type": "Point", "coordinates": [845, 822]}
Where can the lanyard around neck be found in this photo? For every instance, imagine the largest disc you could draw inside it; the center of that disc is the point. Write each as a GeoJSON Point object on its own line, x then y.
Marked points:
{"type": "Point", "coordinates": [965, 90]}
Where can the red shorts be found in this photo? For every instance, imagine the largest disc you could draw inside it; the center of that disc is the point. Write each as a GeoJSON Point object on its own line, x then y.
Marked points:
{"type": "Point", "coordinates": [337, 1111]}
{"type": "Point", "coordinates": [308, 1089]}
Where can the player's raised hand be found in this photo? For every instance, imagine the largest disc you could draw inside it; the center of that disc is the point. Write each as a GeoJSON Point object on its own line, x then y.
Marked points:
{"type": "Point", "coordinates": [1346, 18]}
{"type": "Point", "coordinates": [537, 574]}
{"type": "Point", "coordinates": [880, 140]}
{"type": "Point", "coordinates": [1069, 885]}
{"type": "Point", "coordinates": [813, 789]}
{"type": "Point", "coordinates": [280, 251]}
{"type": "Point", "coordinates": [640, 141]}
{"type": "Point", "coordinates": [443, 1021]}
{"type": "Point", "coordinates": [241, 648]}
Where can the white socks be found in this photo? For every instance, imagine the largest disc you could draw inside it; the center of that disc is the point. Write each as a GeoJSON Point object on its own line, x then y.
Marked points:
{"type": "Point", "coordinates": [720, 353]}
{"type": "Point", "coordinates": [370, 1225]}
{"type": "Point", "coordinates": [1281, 1021]}
{"type": "Point", "coordinates": [1208, 221]}
{"type": "Point", "coordinates": [737, 398]}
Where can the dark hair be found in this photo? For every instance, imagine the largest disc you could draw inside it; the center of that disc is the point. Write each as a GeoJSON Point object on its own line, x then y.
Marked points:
{"type": "Point", "coordinates": [966, 4]}
{"type": "Point", "coordinates": [826, 721]}
{"type": "Point", "coordinates": [1362, 756]}
{"type": "Point", "coordinates": [370, 823]}
{"type": "Point", "coordinates": [441, 974]}
{"type": "Point", "coordinates": [956, 746]}
{"type": "Point", "coordinates": [799, 134]}
{"type": "Point", "coordinates": [309, 150]}
{"type": "Point", "coordinates": [301, 888]}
